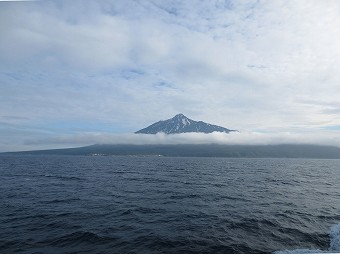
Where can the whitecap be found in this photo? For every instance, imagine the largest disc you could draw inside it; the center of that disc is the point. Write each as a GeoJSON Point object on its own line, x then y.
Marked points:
{"type": "Point", "coordinates": [335, 238]}
{"type": "Point", "coordinates": [334, 247]}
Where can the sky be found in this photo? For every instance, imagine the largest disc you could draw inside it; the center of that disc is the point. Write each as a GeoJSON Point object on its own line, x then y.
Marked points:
{"type": "Point", "coordinates": [78, 72]}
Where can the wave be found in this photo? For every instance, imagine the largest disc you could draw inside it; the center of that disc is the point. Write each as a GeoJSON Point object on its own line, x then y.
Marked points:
{"type": "Point", "coordinates": [55, 201]}
{"type": "Point", "coordinates": [74, 178]}
{"type": "Point", "coordinates": [76, 238]}
{"type": "Point", "coordinates": [334, 247]}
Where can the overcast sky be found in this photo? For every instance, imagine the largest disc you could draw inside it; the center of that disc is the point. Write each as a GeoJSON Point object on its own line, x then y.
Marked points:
{"type": "Point", "coordinates": [80, 72]}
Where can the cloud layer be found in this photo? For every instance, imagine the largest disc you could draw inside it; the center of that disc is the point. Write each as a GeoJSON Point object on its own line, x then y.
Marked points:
{"type": "Point", "coordinates": [70, 67]}
{"type": "Point", "coordinates": [234, 138]}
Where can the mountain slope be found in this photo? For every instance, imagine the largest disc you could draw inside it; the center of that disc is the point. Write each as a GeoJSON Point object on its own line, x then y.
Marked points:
{"type": "Point", "coordinates": [181, 124]}
{"type": "Point", "coordinates": [204, 150]}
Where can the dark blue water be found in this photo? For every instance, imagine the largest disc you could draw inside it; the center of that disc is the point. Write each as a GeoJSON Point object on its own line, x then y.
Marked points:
{"type": "Point", "coordinates": [74, 204]}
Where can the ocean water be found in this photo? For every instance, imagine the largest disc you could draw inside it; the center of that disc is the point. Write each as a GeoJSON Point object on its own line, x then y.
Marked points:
{"type": "Point", "coordinates": [79, 204]}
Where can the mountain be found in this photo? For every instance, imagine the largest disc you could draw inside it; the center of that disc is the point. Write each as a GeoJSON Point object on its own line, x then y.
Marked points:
{"type": "Point", "coordinates": [204, 150]}
{"type": "Point", "coordinates": [181, 124]}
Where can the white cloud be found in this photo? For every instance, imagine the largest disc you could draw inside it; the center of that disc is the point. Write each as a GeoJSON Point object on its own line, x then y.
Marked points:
{"type": "Point", "coordinates": [234, 138]}
{"type": "Point", "coordinates": [257, 66]}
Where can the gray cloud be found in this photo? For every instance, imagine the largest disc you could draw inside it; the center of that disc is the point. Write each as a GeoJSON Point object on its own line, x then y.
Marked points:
{"type": "Point", "coordinates": [248, 65]}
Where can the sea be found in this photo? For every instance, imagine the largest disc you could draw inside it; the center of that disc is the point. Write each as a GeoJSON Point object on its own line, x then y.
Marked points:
{"type": "Point", "coordinates": [112, 204]}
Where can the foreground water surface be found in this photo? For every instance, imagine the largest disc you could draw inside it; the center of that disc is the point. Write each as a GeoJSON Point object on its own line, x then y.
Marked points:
{"type": "Point", "coordinates": [79, 204]}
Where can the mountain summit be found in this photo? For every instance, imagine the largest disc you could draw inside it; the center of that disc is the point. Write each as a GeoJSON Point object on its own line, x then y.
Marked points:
{"type": "Point", "coordinates": [181, 124]}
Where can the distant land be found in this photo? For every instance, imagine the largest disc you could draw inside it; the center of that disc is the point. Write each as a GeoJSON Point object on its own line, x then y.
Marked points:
{"type": "Point", "coordinates": [203, 150]}
{"type": "Point", "coordinates": [181, 124]}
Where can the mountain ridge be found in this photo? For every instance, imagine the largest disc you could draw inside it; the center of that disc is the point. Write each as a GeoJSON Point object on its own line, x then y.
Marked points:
{"type": "Point", "coordinates": [181, 124]}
